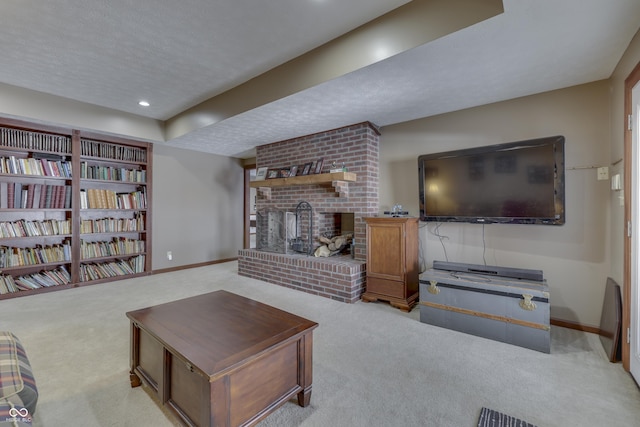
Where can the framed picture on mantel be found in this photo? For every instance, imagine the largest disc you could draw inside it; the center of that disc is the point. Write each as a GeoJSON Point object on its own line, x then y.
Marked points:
{"type": "Point", "coordinates": [261, 173]}
{"type": "Point", "coordinates": [273, 173]}
{"type": "Point", "coordinates": [319, 165]}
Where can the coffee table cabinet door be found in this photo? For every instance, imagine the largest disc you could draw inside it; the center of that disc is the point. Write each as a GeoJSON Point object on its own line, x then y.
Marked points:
{"type": "Point", "coordinates": [188, 392]}
{"type": "Point", "coordinates": [150, 355]}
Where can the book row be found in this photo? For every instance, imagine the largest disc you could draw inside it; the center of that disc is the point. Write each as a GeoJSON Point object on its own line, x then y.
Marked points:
{"type": "Point", "coordinates": [38, 141]}
{"type": "Point", "coordinates": [28, 140]}
{"type": "Point", "coordinates": [114, 247]}
{"type": "Point", "coordinates": [61, 276]}
{"type": "Point", "coordinates": [108, 150]}
{"type": "Point", "coordinates": [43, 279]}
{"type": "Point", "coordinates": [15, 195]}
{"type": "Point", "coordinates": [31, 166]}
{"type": "Point", "coordinates": [24, 228]}
{"type": "Point", "coordinates": [112, 225]}
{"type": "Point", "coordinates": [97, 198]}
{"type": "Point", "coordinates": [57, 227]}
{"type": "Point", "coordinates": [19, 257]}
{"type": "Point", "coordinates": [110, 173]}
{"type": "Point", "coordinates": [112, 269]}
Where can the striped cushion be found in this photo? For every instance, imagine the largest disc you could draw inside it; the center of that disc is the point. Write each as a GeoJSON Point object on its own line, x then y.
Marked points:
{"type": "Point", "coordinates": [17, 384]}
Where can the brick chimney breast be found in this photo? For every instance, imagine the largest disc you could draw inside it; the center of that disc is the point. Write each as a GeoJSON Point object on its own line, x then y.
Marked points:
{"type": "Point", "coordinates": [357, 148]}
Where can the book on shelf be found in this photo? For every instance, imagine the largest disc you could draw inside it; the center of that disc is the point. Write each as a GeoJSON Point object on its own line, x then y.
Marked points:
{"type": "Point", "coordinates": [55, 196]}
{"type": "Point", "coordinates": [17, 195]}
{"type": "Point", "coordinates": [10, 195]}
{"type": "Point", "coordinates": [116, 246]}
{"type": "Point", "coordinates": [112, 151]}
{"type": "Point", "coordinates": [32, 140]}
{"type": "Point", "coordinates": [23, 197]}
{"type": "Point", "coordinates": [37, 191]}
{"type": "Point", "coordinates": [43, 197]}
{"type": "Point", "coordinates": [7, 284]}
{"type": "Point", "coordinates": [95, 271]}
{"type": "Point", "coordinates": [34, 166]}
{"type": "Point", "coordinates": [25, 228]}
{"type": "Point", "coordinates": [112, 173]}
{"type": "Point", "coordinates": [30, 193]}
{"type": "Point", "coordinates": [18, 257]}
{"type": "Point", "coordinates": [4, 194]}
{"type": "Point", "coordinates": [48, 197]}
{"type": "Point", "coordinates": [34, 196]}
{"type": "Point", "coordinates": [111, 225]}
{"type": "Point", "coordinates": [67, 197]}
{"type": "Point", "coordinates": [84, 200]}
{"type": "Point", "coordinates": [43, 279]}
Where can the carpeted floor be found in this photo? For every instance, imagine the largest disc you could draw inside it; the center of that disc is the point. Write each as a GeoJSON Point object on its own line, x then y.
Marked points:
{"type": "Point", "coordinates": [373, 365]}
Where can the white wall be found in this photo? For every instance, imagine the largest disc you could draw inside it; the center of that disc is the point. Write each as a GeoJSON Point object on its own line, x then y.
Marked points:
{"type": "Point", "coordinates": [198, 202]}
{"type": "Point", "coordinates": [574, 257]}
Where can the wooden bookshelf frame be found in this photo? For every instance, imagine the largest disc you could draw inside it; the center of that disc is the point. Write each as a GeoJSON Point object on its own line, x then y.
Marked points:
{"type": "Point", "coordinates": [75, 214]}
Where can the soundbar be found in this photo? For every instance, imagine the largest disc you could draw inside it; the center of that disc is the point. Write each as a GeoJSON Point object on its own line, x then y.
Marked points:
{"type": "Point", "coordinates": [490, 270]}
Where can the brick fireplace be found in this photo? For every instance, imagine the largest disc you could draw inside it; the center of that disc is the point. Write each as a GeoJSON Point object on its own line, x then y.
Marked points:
{"type": "Point", "coordinates": [338, 277]}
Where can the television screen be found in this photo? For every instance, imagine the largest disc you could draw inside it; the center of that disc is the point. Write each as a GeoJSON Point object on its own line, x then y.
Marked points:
{"type": "Point", "coordinates": [516, 183]}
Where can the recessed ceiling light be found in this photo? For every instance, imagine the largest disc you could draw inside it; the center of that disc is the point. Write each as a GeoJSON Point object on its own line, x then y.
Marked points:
{"type": "Point", "coordinates": [144, 103]}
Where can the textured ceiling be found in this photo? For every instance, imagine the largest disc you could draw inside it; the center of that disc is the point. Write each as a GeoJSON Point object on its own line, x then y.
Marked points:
{"type": "Point", "coordinates": [174, 54]}
{"type": "Point", "coordinates": [179, 54]}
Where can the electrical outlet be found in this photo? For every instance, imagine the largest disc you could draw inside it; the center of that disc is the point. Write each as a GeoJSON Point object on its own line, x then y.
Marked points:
{"type": "Point", "coordinates": [169, 255]}
{"type": "Point", "coordinates": [603, 173]}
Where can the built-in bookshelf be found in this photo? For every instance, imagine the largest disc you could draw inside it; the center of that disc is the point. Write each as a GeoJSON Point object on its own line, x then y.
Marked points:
{"type": "Point", "coordinates": [74, 208]}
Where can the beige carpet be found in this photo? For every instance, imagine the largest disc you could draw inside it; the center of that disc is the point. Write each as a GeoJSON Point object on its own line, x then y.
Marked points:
{"type": "Point", "coordinates": [373, 365]}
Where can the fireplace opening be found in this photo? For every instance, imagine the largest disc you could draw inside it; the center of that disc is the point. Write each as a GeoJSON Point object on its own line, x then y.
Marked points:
{"type": "Point", "coordinates": [293, 232]}
{"type": "Point", "coordinates": [335, 234]}
{"type": "Point", "coordinates": [331, 224]}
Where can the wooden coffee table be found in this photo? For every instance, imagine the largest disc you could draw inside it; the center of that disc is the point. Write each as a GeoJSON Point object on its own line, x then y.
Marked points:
{"type": "Point", "coordinates": [220, 359]}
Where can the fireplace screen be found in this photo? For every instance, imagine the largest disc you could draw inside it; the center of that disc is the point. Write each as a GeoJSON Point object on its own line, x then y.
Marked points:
{"type": "Point", "coordinates": [285, 232]}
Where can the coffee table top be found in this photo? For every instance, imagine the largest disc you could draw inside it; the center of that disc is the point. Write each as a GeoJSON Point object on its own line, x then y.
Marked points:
{"type": "Point", "coordinates": [216, 331]}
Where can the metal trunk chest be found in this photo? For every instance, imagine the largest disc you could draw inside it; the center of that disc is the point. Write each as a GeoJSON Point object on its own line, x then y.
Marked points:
{"type": "Point", "coordinates": [513, 311]}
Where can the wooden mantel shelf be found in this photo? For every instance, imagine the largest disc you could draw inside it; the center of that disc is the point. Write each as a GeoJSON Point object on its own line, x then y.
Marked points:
{"type": "Point", "coordinates": [339, 181]}
{"type": "Point", "coordinates": [305, 179]}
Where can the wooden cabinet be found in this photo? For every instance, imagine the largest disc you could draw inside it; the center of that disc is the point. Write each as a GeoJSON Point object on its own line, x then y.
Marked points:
{"type": "Point", "coordinates": [219, 359]}
{"type": "Point", "coordinates": [74, 208]}
{"type": "Point", "coordinates": [392, 261]}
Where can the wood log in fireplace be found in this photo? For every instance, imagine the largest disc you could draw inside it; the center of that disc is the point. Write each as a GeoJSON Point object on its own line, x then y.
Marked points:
{"type": "Point", "coordinates": [334, 245]}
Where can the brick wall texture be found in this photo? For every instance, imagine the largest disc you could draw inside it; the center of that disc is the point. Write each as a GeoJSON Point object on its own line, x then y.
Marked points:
{"type": "Point", "coordinates": [355, 146]}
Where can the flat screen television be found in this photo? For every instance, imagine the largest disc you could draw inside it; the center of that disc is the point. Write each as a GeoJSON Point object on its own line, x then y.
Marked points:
{"type": "Point", "coordinates": [513, 183]}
